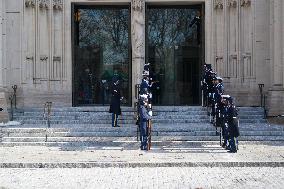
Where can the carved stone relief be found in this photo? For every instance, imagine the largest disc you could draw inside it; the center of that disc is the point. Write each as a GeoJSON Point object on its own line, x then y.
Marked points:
{"type": "Point", "coordinates": [218, 4]}
{"type": "Point", "coordinates": [30, 3]}
{"type": "Point", "coordinates": [232, 3]}
{"type": "Point", "coordinates": [43, 4]}
{"type": "Point", "coordinates": [245, 3]}
{"type": "Point", "coordinates": [138, 5]}
{"type": "Point", "coordinates": [57, 4]}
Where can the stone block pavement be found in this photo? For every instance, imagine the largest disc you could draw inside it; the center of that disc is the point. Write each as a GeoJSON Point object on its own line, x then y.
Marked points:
{"type": "Point", "coordinates": [256, 165]}
{"type": "Point", "coordinates": [257, 154]}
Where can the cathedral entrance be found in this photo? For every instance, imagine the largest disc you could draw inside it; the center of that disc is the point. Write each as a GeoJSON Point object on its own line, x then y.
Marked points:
{"type": "Point", "coordinates": [101, 52]}
{"type": "Point", "coordinates": [175, 51]}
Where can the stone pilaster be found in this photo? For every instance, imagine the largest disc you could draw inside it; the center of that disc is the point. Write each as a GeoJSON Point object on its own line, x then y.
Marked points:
{"type": "Point", "coordinates": [3, 103]}
{"type": "Point", "coordinates": [276, 93]}
{"type": "Point", "coordinates": [138, 41]}
{"type": "Point", "coordinates": [1, 48]}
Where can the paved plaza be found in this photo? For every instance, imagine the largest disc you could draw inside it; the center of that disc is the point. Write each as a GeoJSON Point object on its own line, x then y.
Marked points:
{"type": "Point", "coordinates": [201, 165]}
{"type": "Point", "coordinates": [132, 178]}
{"type": "Point", "coordinates": [186, 154]}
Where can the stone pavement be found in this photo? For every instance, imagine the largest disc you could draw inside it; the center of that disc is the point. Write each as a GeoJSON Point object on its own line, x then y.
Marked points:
{"type": "Point", "coordinates": [205, 154]}
{"type": "Point", "coordinates": [199, 165]}
{"type": "Point", "coordinates": [136, 178]}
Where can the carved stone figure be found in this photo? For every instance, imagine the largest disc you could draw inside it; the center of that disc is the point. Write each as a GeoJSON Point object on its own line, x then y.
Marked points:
{"type": "Point", "coordinates": [218, 4]}
{"type": "Point", "coordinates": [43, 4]}
{"type": "Point", "coordinates": [30, 3]}
{"type": "Point", "coordinates": [57, 4]}
{"type": "Point", "coordinates": [245, 3]}
{"type": "Point", "coordinates": [232, 3]}
{"type": "Point", "coordinates": [138, 5]}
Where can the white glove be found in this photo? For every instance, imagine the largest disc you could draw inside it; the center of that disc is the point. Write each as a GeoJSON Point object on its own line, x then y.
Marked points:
{"type": "Point", "coordinates": [150, 113]}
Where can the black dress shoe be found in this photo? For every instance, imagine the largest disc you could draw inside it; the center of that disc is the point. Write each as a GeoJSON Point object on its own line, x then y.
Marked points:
{"type": "Point", "coordinates": [117, 125]}
{"type": "Point", "coordinates": [232, 151]}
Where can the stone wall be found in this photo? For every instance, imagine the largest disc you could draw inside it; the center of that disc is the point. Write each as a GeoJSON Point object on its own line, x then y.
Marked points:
{"type": "Point", "coordinates": [243, 41]}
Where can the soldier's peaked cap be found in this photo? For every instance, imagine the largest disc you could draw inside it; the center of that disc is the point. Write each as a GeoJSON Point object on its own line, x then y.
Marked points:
{"type": "Point", "coordinates": [219, 78]}
{"type": "Point", "coordinates": [144, 97]}
{"type": "Point", "coordinates": [226, 96]}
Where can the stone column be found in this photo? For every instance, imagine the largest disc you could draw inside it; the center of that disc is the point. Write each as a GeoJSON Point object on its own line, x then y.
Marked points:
{"type": "Point", "coordinates": [278, 38]}
{"type": "Point", "coordinates": [138, 42]}
{"type": "Point", "coordinates": [282, 41]}
{"type": "Point", "coordinates": [276, 92]}
{"type": "Point", "coordinates": [4, 117]}
{"type": "Point", "coordinates": [1, 48]}
{"type": "Point", "coordinates": [209, 55]}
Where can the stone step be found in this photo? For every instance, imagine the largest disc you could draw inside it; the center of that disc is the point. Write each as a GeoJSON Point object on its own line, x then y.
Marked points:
{"type": "Point", "coordinates": [128, 143]}
{"type": "Point", "coordinates": [107, 113]}
{"type": "Point", "coordinates": [133, 132]}
{"type": "Point", "coordinates": [126, 109]}
{"type": "Point", "coordinates": [175, 126]}
{"type": "Point", "coordinates": [130, 116]}
{"type": "Point", "coordinates": [134, 129]}
{"type": "Point", "coordinates": [122, 116]}
{"type": "Point", "coordinates": [129, 121]}
{"type": "Point", "coordinates": [161, 138]}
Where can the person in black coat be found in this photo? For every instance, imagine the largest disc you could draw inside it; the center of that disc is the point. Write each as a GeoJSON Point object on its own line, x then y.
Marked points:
{"type": "Point", "coordinates": [115, 103]}
{"type": "Point", "coordinates": [233, 128]}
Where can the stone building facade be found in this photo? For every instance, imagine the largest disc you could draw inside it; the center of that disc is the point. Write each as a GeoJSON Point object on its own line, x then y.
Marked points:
{"type": "Point", "coordinates": [243, 40]}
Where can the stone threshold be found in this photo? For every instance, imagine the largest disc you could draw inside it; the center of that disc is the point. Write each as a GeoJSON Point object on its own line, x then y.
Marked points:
{"type": "Point", "coordinates": [140, 164]}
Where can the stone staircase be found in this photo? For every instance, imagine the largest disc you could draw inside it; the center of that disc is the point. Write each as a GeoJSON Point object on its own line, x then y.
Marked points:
{"type": "Point", "coordinates": [91, 127]}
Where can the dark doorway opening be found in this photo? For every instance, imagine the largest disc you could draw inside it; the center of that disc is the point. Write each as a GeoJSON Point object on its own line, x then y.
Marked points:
{"type": "Point", "coordinates": [101, 52]}
{"type": "Point", "coordinates": [175, 50]}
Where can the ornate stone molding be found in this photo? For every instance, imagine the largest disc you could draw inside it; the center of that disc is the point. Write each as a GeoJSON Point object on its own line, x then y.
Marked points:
{"type": "Point", "coordinates": [138, 5]}
{"type": "Point", "coordinates": [245, 3]}
{"type": "Point", "coordinates": [218, 4]}
{"type": "Point", "coordinates": [219, 58]}
{"type": "Point", "coordinates": [30, 3]}
{"type": "Point", "coordinates": [233, 56]}
{"type": "Point", "coordinates": [56, 58]}
{"type": "Point", "coordinates": [246, 55]}
{"type": "Point", "coordinates": [43, 57]}
{"type": "Point", "coordinates": [232, 3]}
{"type": "Point", "coordinates": [57, 4]}
{"type": "Point", "coordinates": [29, 58]}
{"type": "Point", "coordinates": [43, 4]}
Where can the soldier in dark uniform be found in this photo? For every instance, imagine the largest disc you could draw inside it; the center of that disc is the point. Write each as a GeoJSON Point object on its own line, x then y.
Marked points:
{"type": "Point", "coordinates": [206, 81]}
{"type": "Point", "coordinates": [147, 67]}
{"type": "Point", "coordinates": [218, 90]}
{"type": "Point", "coordinates": [219, 87]}
{"type": "Point", "coordinates": [144, 86]}
{"type": "Point", "coordinates": [233, 128]}
{"type": "Point", "coordinates": [144, 117]}
{"type": "Point", "coordinates": [115, 103]}
{"type": "Point", "coordinates": [224, 120]}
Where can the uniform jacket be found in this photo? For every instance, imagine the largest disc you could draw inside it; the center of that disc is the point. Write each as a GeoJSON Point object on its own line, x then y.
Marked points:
{"type": "Point", "coordinates": [144, 116]}
{"type": "Point", "coordinates": [144, 87]}
{"type": "Point", "coordinates": [232, 122]}
{"type": "Point", "coordinates": [115, 100]}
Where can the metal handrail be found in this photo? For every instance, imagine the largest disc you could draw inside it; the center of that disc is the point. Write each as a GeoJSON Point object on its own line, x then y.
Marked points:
{"type": "Point", "coordinates": [15, 87]}
{"type": "Point", "coordinates": [11, 98]}
{"type": "Point", "coordinates": [46, 115]}
{"type": "Point", "coordinates": [263, 98]}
